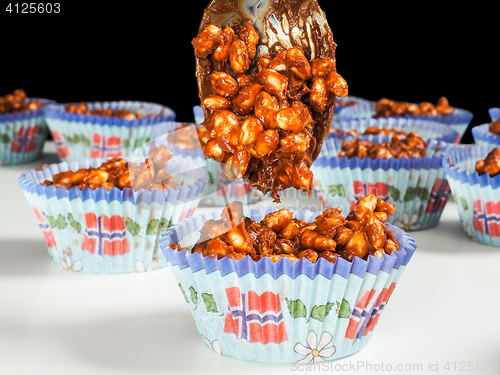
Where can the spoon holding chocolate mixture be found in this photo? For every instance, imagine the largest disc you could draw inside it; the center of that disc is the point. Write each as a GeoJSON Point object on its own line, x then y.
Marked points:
{"type": "Point", "coordinates": [267, 81]}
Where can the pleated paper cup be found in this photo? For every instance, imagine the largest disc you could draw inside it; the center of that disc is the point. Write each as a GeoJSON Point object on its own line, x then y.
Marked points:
{"type": "Point", "coordinates": [458, 120]}
{"type": "Point", "coordinates": [483, 136]}
{"type": "Point", "coordinates": [494, 113]}
{"type": "Point", "coordinates": [80, 137]}
{"type": "Point", "coordinates": [22, 135]}
{"type": "Point", "coordinates": [283, 312]}
{"type": "Point", "coordinates": [418, 187]}
{"type": "Point", "coordinates": [345, 102]}
{"type": "Point", "coordinates": [115, 231]}
{"type": "Point", "coordinates": [477, 197]}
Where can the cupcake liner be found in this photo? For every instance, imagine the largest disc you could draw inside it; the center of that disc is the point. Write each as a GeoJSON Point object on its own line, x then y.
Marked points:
{"type": "Point", "coordinates": [283, 312]}
{"type": "Point", "coordinates": [427, 129]}
{"type": "Point", "coordinates": [459, 119]}
{"type": "Point", "coordinates": [79, 137]}
{"type": "Point", "coordinates": [483, 136]}
{"type": "Point", "coordinates": [494, 113]}
{"type": "Point", "coordinates": [477, 197]}
{"type": "Point", "coordinates": [339, 107]}
{"type": "Point", "coordinates": [199, 116]}
{"type": "Point", "coordinates": [22, 135]}
{"type": "Point", "coordinates": [115, 231]}
{"type": "Point", "coordinates": [418, 187]}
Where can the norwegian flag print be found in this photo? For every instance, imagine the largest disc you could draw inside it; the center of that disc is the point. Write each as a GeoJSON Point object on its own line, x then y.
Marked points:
{"type": "Point", "coordinates": [48, 235]}
{"type": "Point", "coordinates": [361, 189]}
{"type": "Point", "coordinates": [105, 235]}
{"type": "Point", "coordinates": [253, 317]}
{"type": "Point", "coordinates": [438, 197]}
{"type": "Point", "coordinates": [487, 218]}
{"type": "Point", "coordinates": [61, 146]}
{"type": "Point", "coordinates": [103, 147]}
{"type": "Point", "coordinates": [365, 315]}
{"type": "Point", "coordinates": [25, 139]}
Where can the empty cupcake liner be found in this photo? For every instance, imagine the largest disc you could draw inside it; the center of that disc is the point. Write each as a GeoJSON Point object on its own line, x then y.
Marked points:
{"type": "Point", "coordinates": [494, 113]}
{"type": "Point", "coordinates": [22, 135]}
{"type": "Point", "coordinates": [418, 187]}
{"type": "Point", "coordinates": [283, 312]}
{"type": "Point", "coordinates": [477, 197]}
{"type": "Point", "coordinates": [79, 137]}
{"type": "Point", "coordinates": [459, 119]}
{"type": "Point", "coordinates": [483, 136]}
{"type": "Point", "coordinates": [115, 231]}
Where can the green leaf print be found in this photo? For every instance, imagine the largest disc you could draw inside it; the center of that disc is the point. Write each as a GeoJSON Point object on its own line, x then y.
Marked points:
{"type": "Point", "coordinates": [297, 308]}
{"type": "Point", "coordinates": [343, 309]}
{"type": "Point", "coordinates": [165, 224]}
{"type": "Point", "coordinates": [194, 295]}
{"type": "Point", "coordinates": [153, 226]}
{"type": "Point", "coordinates": [423, 194]}
{"type": "Point", "coordinates": [409, 195]}
{"type": "Point", "coordinates": [394, 193]}
{"type": "Point", "coordinates": [183, 292]}
{"type": "Point", "coordinates": [75, 224]}
{"type": "Point", "coordinates": [126, 143]}
{"type": "Point", "coordinates": [60, 223]}
{"type": "Point", "coordinates": [209, 300]}
{"type": "Point", "coordinates": [337, 190]}
{"type": "Point", "coordinates": [320, 312]}
{"type": "Point", "coordinates": [86, 141]}
{"type": "Point", "coordinates": [132, 226]}
{"type": "Point", "coordinates": [4, 138]}
{"type": "Point", "coordinates": [465, 206]}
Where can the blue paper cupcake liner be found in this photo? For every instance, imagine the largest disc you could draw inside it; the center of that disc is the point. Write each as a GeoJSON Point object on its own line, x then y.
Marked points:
{"type": "Point", "coordinates": [220, 190]}
{"type": "Point", "coordinates": [22, 135]}
{"type": "Point", "coordinates": [494, 113]}
{"type": "Point", "coordinates": [339, 107]}
{"type": "Point", "coordinates": [283, 312]}
{"type": "Point", "coordinates": [483, 136]}
{"type": "Point", "coordinates": [459, 119]}
{"type": "Point", "coordinates": [418, 187]}
{"type": "Point", "coordinates": [199, 116]}
{"type": "Point", "coordinates": [79, 137]}
{"type": "Point", "coordinates": [115, 231]}
{"type": "Point", "coordinates": [477, 197]}
{"type": "Point", "coordinates": [427, 129]}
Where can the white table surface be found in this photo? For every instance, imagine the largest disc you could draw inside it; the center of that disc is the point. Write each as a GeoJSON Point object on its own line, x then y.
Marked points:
{"type": "Point", "coordinates": [52, 321]}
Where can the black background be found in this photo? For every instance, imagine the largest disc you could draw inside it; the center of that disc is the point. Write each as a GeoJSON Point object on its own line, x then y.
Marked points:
{"type": "Point", "coordinates": [140, 51]}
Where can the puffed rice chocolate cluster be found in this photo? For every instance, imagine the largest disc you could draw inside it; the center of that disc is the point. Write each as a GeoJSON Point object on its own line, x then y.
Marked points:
{"type": "Point", "coordinates": [400, 146]}
{"type": "Point", "coordinates": [490, 165]}
{"type": "Point", "coordinates": [117, 173]}
{"type": "Point", "coordinates": [390, 108]}
{"type": "Point", "coordinates": [83, 109]}
{"type": "Point", "coordinates": [262, 111]}
{"type": "Point", "coordinates": [18, 102]}
{"type": "Point", "coordinates": [279, 235]}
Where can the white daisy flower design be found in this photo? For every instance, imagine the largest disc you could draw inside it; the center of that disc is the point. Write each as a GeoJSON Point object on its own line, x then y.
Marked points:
{"type": "Point", "coordinates": [315, 351]}
{"type": "Point", "coordinates": [69, 265]}
{"type": "Point", "coordinates": [408, 223]}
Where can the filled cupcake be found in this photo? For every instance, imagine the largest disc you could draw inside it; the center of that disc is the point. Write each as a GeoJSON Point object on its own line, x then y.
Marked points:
{"type": "Point", "coordinates": [473, 173]}
{"type": "Point", "coordinates": [405, 170]}
{"type": "Point", "coordinates": [288, 287]}
{"type": "Point", "coordinates": [427, 129]}
{"type": "Point", "coordinates": [442, 112]}
{"type": "Point", "coordinates": [23, 129]}
{"type": "Point", "coordinates": [106, 215]}
{"type": "Point", "coordinates": [90, 130]}
{"type": "Point", "coordinates": [487, 134]}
